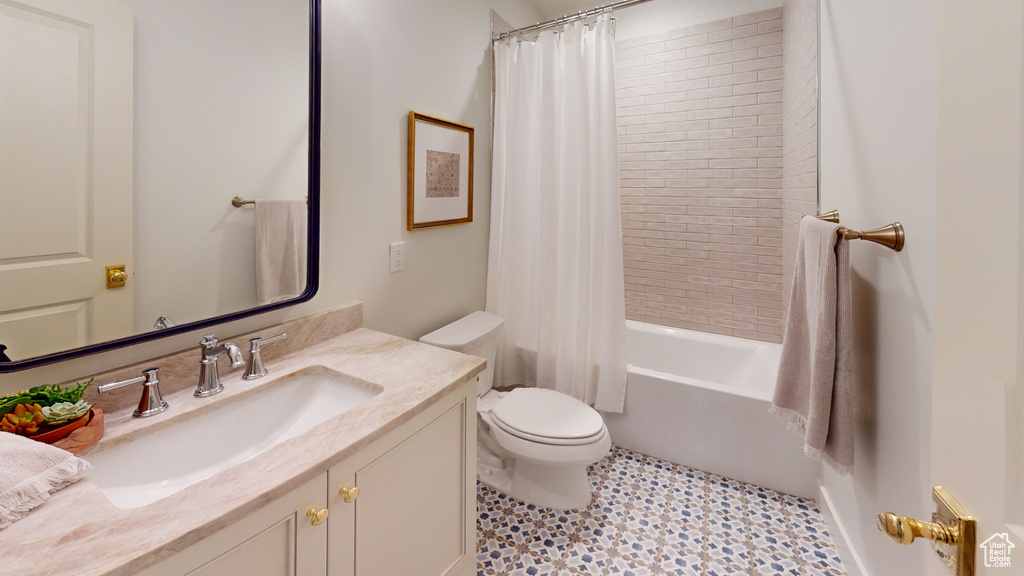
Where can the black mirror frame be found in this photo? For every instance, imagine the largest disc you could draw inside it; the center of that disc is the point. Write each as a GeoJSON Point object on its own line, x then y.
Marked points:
{"type": "Point", "coordinates": [313, 250]}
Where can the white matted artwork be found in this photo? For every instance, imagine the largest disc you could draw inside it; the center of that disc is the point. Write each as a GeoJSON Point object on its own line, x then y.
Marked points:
{"type": "Point", "coordinates": [440, 172]}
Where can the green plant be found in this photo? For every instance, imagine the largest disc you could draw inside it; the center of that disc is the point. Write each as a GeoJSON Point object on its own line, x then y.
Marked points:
{"type": "Point", "coordinates": [46, 395]}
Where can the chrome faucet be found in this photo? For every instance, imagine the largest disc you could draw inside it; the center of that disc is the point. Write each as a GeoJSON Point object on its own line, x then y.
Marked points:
{"type": "Point", "coordinates": [151, 401]}
{"type": "Point", "coordinates": [210, 351]}
{"type": "Point", "coordinates": [255, 368]}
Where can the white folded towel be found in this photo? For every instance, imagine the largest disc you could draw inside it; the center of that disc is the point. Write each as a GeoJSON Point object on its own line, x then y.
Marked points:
{"type": "Point", "coordinates": [280, 249]}
{"type": "Point", "coordinates": [813, 389]}
{"type": "Point", "coordinates": [29, 472]}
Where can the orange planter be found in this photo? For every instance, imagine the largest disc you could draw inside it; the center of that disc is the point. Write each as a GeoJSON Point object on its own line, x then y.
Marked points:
{"type": "Point", "coordinates": [86, 437]}
{"type": "Point", "coordinates": [62, 432]}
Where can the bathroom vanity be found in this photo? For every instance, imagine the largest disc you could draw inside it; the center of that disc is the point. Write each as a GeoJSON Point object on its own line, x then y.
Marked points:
{"type": "Point", "coordinates": [397, 506]}
{"type": "Point", "coordinates": [385, 488]}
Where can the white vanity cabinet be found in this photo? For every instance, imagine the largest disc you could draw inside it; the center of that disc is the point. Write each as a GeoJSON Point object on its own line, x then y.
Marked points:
{"type": "Point", "coordinates": [414, 513]}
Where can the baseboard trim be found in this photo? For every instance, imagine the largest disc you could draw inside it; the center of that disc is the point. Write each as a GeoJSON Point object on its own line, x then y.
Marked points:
{"type": "Point", "coordinates": [840, 537]}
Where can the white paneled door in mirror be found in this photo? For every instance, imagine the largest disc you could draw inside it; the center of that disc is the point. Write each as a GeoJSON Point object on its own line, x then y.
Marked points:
{"type": "Point", "coordinates": [65, 172]}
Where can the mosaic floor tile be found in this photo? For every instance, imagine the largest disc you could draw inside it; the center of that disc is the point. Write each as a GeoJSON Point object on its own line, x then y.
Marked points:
{"type": "Point", "coordinates": [686, 564]}
{"type": "Point", "coordinates": [530, 565]}
{"type": "Point", "coordinates": [650, 517]}
{"type": "Point", "coordinates": [637, 548]}
{"type": "Point", "coordinates": [495, 555]}
{"type": "Point", "coordinates": [619, 566]}
{"type": "Point", "coordinates": [643, 521]}
{"type": "Point", "coordinates": [689, 538]}
{"type": "Point", "coordinates": [587, 558]}
{"type": "Point", "coordinates": [549, 544]}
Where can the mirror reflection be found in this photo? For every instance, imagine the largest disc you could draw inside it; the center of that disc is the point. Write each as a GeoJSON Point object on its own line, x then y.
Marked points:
{"type": "Point", "coordinates": [126, 129]}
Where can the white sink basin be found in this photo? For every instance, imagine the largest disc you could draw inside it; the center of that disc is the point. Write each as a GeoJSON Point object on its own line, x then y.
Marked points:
{"type": "Point", "coordinates": [155, 466]}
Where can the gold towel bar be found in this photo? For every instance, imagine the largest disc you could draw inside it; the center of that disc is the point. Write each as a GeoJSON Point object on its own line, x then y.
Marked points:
{"type": "Point", "coordinates": [238, 201]}
{"type": "Point", "coordinates": [891, 236]}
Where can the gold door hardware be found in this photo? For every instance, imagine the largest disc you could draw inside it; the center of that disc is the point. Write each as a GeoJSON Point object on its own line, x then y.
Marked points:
{"type": "Point", "coordinates": [116, 276]}
{"type": "Point", "coordinates": [952, 531]}
{"type": "Point", "coordinates": [317, 516]}
{"type": "Point", "coordinates": [350, 494]}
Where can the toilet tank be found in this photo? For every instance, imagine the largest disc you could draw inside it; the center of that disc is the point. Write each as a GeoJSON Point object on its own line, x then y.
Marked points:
{"type": "Point", "coordinates": [476, 335]}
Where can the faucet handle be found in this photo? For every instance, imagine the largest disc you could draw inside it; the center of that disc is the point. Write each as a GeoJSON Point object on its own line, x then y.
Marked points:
{"type": "Point", "coordinates": [151, 401]}
{"type": "Point", "coordinates": [255, 368]}
{"type": "Point", "coordinates": [209, 341]}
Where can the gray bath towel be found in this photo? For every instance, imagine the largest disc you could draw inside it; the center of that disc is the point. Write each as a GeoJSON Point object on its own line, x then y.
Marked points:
{"type": "Point", "coordinates": [813, 389]}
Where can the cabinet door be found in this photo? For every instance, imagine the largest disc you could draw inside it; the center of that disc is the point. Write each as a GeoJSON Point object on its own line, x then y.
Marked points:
{"type": "Point", "coordinates": [411, 516]}
{"type": "Point", "coordinates": [276, 540]}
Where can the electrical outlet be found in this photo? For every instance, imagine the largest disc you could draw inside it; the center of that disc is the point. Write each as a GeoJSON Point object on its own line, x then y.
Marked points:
{"type": "Point", "coordinates": [397, 256]}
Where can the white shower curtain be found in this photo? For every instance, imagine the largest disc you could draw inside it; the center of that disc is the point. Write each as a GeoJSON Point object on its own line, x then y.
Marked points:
{"type": "Point", "coordinates": [555, 262]}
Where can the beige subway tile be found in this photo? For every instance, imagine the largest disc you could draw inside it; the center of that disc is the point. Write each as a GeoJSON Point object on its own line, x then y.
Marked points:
{"type": "Point", "coordinates": [733, 79]}
{"type": "Point", "coordinates": [721, 322]}
{"type": "Point", "coordinates": [734, 163]}
{"type": "Point", "coordinates": [732, 56]}
{"type": "Point", "coordinates": [709, 154]}
{"type": "Point", "coordinates": [709, 114]}
{"type": "Point", "coordinates": [732, 33]}
{"type": "Point", "coordinates": [735, 143]}
{"type": "Point", "coordinates": [759, 87]}
{"type": "Point", "coordinates": [687, 42]}
{"type": "Point", "coordinates": [769, 26]}
{"type": "Point", "coordinates": [730, 101]}
{"type": "Point", "coordinates": [686, 65]}
{"type": "Point", "coordinates": [744, 122]}
{"type": "Point", "coordinates": [762, 305]}
{"type": "Point", "coordinates": [768, 51]}
{"type": "Point", "coordinates": [709, 71]}
{"type": "Point", "coordinates": [759, 40]}
{"type": "Point", "coordinates": [645, 49]}
{"type": "Point", "coordinates": [651, 69]}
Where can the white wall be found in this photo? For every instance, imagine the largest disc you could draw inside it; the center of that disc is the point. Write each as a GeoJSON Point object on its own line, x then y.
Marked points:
{"type": "Point", "coordinates": [382, 58]}
{"type": "Point", "coordinates": [878, 164]}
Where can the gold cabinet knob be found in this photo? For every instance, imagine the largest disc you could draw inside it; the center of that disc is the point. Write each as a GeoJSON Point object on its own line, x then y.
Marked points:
{"type": "Point", "coordinates": [350, 494]}
{"type": "Point", "coordinates": [318, 516]}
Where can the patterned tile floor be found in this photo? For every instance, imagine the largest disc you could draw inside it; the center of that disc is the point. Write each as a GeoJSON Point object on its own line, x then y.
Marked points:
{"type": "Point", "coordinates": [656, 518]}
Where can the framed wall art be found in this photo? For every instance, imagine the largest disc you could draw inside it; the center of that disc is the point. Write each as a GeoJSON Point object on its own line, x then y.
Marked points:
{"type": "Point", "coordinates": [440, 172]}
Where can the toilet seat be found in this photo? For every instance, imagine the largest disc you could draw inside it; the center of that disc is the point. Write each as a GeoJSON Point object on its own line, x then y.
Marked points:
{"type": "Point", "coordinates": [547, 417]}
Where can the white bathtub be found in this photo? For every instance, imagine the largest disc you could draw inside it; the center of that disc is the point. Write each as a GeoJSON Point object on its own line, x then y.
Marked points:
{"type": "Point", "coordinates": [702, 400]}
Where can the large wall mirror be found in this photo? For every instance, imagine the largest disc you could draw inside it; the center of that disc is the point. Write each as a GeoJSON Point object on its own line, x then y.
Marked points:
{"type": "Point", "coordinates": [127, 127]}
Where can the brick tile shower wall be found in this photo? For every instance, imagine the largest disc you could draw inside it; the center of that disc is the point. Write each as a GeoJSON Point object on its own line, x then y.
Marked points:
{"type": "Point", "coordinates": [799, 127]}
{"type": "Point", "coordinates": [700, 167]}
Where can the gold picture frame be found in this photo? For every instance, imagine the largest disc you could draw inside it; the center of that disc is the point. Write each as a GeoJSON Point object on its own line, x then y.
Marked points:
{"type": "Point", "coordinates": [440, 173]}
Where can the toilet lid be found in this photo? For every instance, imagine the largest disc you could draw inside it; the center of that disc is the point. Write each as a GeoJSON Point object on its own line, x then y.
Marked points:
{"type": "Point", "coordinates": [547, 416]}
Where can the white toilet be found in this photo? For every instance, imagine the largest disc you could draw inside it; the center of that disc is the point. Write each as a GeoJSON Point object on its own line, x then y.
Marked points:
{"type": "Point", "coordinates": [533, 444]}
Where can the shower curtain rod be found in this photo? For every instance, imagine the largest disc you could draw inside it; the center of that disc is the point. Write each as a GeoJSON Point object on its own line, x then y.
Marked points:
{"type": "Point", "coordinates": [568, 18]}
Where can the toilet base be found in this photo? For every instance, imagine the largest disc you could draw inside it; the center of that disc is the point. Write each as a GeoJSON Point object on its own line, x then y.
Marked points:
{"type": "Point", "coordinates": [559, 487]}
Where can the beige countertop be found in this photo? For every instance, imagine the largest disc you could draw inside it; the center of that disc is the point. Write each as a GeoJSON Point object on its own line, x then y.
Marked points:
{"type": "Point", "coordinates": [79, 532]}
